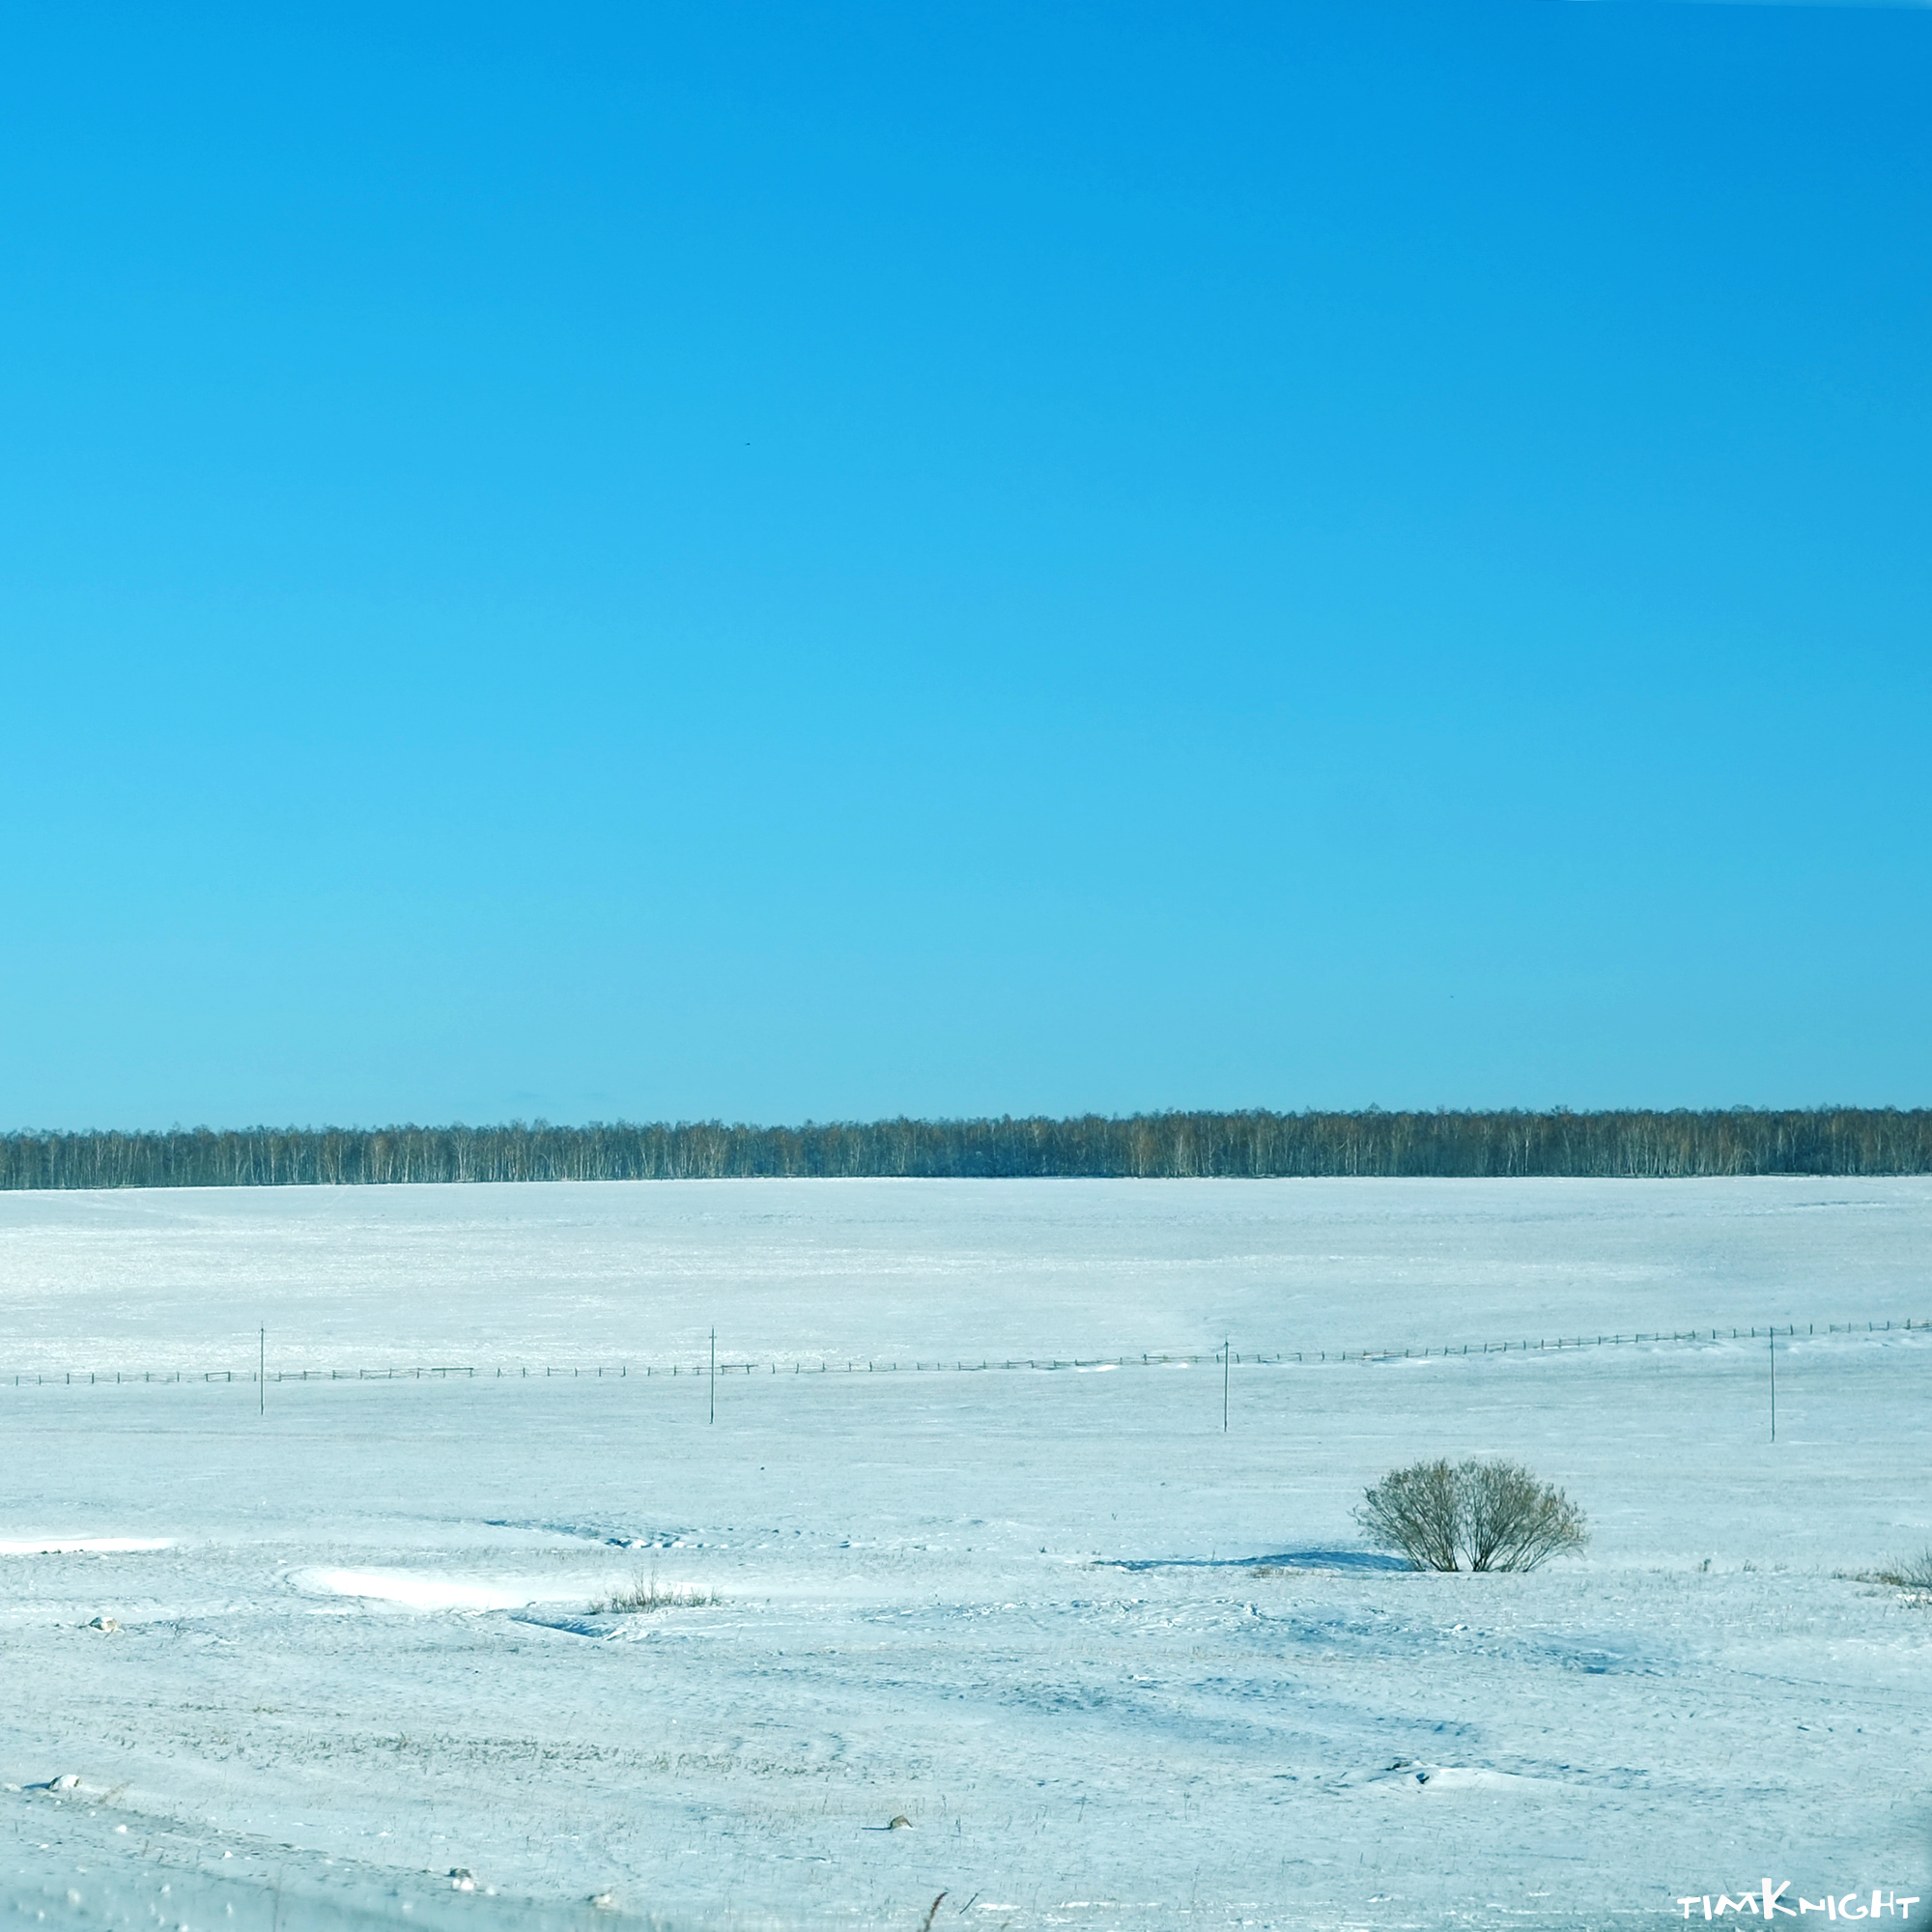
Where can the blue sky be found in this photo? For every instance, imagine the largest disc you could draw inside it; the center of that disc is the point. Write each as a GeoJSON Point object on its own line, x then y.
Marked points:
{"type": "Point", "coordinates": [809, 561]}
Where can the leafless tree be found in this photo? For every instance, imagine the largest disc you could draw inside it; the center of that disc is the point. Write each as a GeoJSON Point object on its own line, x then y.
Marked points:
{"type": "Point", "coordinates": [1820, 1141]}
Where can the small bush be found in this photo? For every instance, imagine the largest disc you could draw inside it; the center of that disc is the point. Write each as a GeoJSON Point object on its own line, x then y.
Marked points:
{"type": "Point", "coordinates": [1490, 1515]}
{"type": "Point", "coordinates": [1914, 1574]}
{"type": "Point", "coordinates": [646, 1593]}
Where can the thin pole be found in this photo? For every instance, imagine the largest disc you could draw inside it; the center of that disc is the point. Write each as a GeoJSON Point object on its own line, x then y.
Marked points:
{"type": "Point", "coordinates": [1774, 1386]}
{"type": "Point", "coordinates": [1224, 1387]}
{"type": "Point", "coordinates": [262, 1374]}
{"type": "Point", "coordinates": [714, 1376]}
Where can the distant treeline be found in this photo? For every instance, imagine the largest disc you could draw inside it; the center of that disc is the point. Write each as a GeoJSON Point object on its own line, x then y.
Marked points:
{"type": "Point", "coordinates": [1248, 1146]}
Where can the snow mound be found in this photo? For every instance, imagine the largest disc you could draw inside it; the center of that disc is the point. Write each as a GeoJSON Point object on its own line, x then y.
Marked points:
{"type": "Point", "coordinates": [1438, 1779]}
{"type": "Point", "coordinates": [433, 1590]}
{"type": "Point", "coordinates": [620, 1536]}
{"type": "Point", "coordinates": [1473, 1778]}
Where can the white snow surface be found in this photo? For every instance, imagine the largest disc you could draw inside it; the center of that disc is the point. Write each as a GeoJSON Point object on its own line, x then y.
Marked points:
{"type": "Point", "coordinates": [1115, 1664]}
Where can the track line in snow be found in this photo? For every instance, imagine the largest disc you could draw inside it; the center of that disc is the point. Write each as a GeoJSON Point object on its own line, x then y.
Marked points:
{"type": "Point", "coordinates": [83, 1546]}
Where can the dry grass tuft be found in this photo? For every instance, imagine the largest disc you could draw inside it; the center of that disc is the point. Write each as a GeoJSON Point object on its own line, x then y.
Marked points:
{"type": "Point", "coordinates": [646, 1593]}
{"type": "Point", "coordinates": [1913, 1574]}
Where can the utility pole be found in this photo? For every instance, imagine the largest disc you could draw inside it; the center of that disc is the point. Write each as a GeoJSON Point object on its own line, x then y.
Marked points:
{"type": "Point", "coordinates": [714, 1376]}
{"type": "Point", "coordinates": [262, 1373]}
{"type": "Point", "coordinates": [1773, 1385]}
{"type": "Point", "coordinates": [1225, 1358]}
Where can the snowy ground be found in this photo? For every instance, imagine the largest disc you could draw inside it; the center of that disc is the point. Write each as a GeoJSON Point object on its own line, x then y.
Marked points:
{"type": "Point", "coordinates": [1116, 1665]}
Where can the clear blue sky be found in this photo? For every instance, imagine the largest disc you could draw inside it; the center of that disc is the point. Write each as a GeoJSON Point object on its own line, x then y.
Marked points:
{"type": "Point", "coordinates": [786, 561]}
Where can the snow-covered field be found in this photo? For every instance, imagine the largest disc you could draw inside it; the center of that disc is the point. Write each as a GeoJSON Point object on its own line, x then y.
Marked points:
{"type": "Point", "coordinates": [1115, 1664]}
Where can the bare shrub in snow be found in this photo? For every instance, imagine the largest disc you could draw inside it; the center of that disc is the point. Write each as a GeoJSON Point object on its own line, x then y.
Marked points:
{"type": "Point", "coordinates": [1490, 1515]}
{"type": "Point", "coordinates": [1511, 1521]}
{"type": "Point", "coordinates": [646, 1593]}
{"type": "Point", "coordinates": [1417, 1511]}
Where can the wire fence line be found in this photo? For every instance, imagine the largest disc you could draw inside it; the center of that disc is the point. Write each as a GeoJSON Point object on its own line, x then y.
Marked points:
{"type": "Point", "coordinates": [1234, 1358]}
